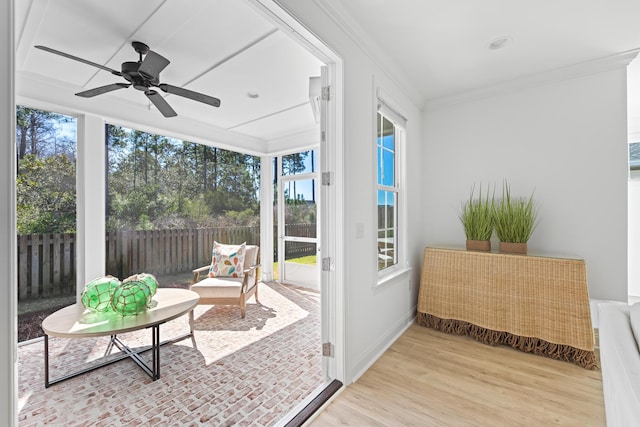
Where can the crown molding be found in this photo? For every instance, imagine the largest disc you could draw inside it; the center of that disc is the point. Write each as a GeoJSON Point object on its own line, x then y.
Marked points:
{"type": "Point", "coordinates": [573, 71]}
{"type": "Point", "coordinates": [305, 140]}
{"type": "Point", "coordinates": [343, 19]}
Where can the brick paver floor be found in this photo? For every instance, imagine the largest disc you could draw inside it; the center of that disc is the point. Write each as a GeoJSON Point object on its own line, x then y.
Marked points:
{"type": "Point", "coordinates": [250, 371]}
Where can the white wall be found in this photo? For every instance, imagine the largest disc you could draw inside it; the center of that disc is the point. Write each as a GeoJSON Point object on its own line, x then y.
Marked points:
{"type": "Point", "coordinates": [8, 256]}
{"type": "Point", "coordinates": [374, 315]}
{"type": "Point", "coordinates": [567, 140]}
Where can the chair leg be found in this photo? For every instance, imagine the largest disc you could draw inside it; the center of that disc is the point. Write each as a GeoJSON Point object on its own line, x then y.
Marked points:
{"type": "Point", "coordinates": [256, 293]}
{"type": "Point", "coordinates": [191, 322]}
{"type": "Point", "coordinates": [243, 305]}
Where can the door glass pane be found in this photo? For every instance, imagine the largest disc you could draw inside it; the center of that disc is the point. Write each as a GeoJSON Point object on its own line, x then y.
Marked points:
{"type": "Point", "coordinates": [300, 208]}
{"type": "Point", "coordinates": [300, 266]}
{"type": "Point", "coordinates": [298, 163]}
{"type": "Point", "coordinates": [300, 252]}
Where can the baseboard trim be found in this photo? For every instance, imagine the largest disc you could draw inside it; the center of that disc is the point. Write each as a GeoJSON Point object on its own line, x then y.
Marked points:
{"type": "Point", "coordinates": [378, 349]}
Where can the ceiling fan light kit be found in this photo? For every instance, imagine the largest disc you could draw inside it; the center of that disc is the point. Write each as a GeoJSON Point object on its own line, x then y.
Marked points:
{"type": "Point", "coordinates": [143, 75]}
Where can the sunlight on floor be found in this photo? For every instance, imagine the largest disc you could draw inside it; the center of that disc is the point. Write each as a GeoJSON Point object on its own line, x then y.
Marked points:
{"type": "Point", "coordinates": [220, 339]}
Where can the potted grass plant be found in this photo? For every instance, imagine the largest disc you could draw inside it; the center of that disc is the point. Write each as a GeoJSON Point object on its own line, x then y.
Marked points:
{"type": "Point", "coordinates": [477, 219]}
{"type": "Point", "coordinates": [514, 221]}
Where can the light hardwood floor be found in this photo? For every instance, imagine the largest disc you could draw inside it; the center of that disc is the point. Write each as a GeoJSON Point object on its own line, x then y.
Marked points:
{"type": "Point", "coordinates": [430, 378]}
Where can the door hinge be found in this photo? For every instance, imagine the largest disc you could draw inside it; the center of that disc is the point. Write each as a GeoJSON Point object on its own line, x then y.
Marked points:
{"type": "Point", "coordinates": [323, 136]}
{"type": "Point", "coordinates": [326, 178]}
{"type": "Point", "coordinates": [326, 264]}
{"type": "Point", "coordinates": [327, 349]}
{"type": "Point", "coordinates": [326, 93]}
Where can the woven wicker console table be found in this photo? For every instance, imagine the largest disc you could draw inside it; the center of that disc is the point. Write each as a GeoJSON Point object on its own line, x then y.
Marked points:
{"type": "Point", "coordinates": [532, 303]}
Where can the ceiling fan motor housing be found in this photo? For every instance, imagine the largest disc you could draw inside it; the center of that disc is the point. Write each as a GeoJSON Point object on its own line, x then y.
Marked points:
{"type": "Point", "coordinates": [140, 47]}
{"type": "Point", "coordinates": [130, 72]}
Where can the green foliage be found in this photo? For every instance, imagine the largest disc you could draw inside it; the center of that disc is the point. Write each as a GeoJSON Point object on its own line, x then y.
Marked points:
{"type": "Point", "coordinates": [46, 195]}
{"type": "Point", "coordinates": [300, 212]}
{"type": "Point", "coordinates": [153, 181]}
{"type": "Point", "coordinates": [158, 182]}
{"type": "Point", "coordinates": [46, 172]}
{"type": "Point", "coordinates": [477, 216]}
{"type": "Point", "coordinates": [246, 217]}
{"type": "Point", "coordinates": [514, 218]}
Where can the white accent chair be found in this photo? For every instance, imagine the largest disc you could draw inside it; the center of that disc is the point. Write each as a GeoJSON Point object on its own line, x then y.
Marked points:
{"type": "Point", "coordinates": [229, 290]}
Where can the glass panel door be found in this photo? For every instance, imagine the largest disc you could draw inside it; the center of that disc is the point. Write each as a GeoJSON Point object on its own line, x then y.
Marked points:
{"type": "Point", "coordinates": [297, 225]}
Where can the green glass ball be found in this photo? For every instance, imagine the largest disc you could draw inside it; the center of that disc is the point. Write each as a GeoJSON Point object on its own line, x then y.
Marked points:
{"type": "Point", "coordinates": [97, 294]}
{"type": "Point", "coordinates": [145, 279]}
{"type": "Point", "coordinates": [131, 298]}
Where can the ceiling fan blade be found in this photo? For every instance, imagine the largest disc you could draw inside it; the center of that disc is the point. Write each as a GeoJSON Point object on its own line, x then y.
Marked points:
{"type": "Point", "coordinates": [152, 64]}
{"type": "Point", "coordinates": [160, 103]}
{"type": "Point", "coordinates": [75, 58]}
{"type": "Point", "coordinates": [102, 89]}
{"type": "Point", "coordinates": [196, 96]}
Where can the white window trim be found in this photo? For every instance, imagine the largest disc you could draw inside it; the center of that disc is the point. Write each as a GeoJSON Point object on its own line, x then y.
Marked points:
{"type": "Point", "coordinates": [384, 107]}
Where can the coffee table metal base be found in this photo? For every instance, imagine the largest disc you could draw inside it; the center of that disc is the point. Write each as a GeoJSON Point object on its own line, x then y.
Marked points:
{"type": "Point", "coordinates": [153, 371]}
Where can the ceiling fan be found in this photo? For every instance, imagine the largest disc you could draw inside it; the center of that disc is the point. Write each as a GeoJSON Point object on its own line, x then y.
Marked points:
{"type": "Point", "coordinates": [142, 75]}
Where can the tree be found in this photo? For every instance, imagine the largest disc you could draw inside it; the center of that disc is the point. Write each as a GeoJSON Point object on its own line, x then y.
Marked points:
{"type": "Point", "coordinates": [294, 163]}
{"type": "Point", "coordinates": [46, 173]}
{"type": "Point", "coordinates": [38, 133]}
{"type": "Point", "coordinates": [46, 195]}
{"type": "Point", "coordinates": [155, 181]}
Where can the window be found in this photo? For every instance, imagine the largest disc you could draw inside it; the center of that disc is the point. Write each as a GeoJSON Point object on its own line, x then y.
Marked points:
{"type": "Point", "coordinates": [388, 189]}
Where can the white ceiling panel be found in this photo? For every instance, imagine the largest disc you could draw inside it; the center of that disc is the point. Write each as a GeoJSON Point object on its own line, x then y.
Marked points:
{"type": "Point", "coordinates": [293, 121]}
{"type": "Point", "coordinates": [276, 69]}
{"type": "Point", "coordinates": [71, 26]}
{"type": "Point", "coordinates": [218, 30]}
{"type": "Point", "coordinates": [222, 48]}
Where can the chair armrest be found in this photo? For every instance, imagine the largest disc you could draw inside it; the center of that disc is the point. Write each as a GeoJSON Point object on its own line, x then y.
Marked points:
{"type": "Point", "coordinates": [250, 272]}
{"type": "Point", "coordinates": [197, 271]}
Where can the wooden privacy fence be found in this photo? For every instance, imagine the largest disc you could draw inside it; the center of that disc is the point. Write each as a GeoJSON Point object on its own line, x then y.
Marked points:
{"type": "Point", "coordinates": [169, 251]}
{"type": "Point", "coordinates": [46, 262]}
{"type": "Point", "coordinates": [46, 265]}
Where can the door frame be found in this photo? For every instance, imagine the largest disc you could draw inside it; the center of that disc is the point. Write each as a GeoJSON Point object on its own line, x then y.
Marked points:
{"type": "Point", "coordinates": [331, 162]}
